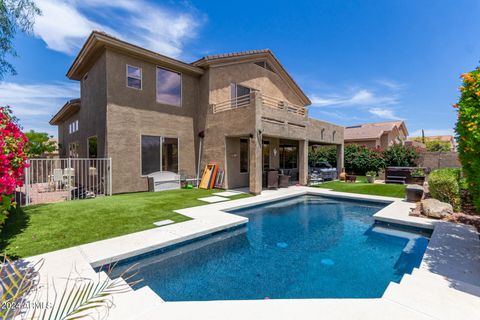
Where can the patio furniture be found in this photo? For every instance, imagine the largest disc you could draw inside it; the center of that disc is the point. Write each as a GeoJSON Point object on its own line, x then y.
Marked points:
{"type": "Point", "coordinates": [163, 180]}
{"type": "Point", "coordinates": [414, 193]}
{"type": "Point", "coordinates": [68, 177]}
{"type": "Point", "coordinates": [272, 179]}
{"type": "Point", "coordinates": [351, 178]}
{"type": "Point", "coordinates": [283, 181]}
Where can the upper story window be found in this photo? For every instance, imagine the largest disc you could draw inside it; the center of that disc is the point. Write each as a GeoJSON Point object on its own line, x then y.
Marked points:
{"type": "Point", "coordinates": [73, 127]}
{"type": "Point", "coordinates": [134, 77]}
{"type": "Point", "coordinates": [169, 87]}
{"type": "Point", "coordinates": [238, 90]}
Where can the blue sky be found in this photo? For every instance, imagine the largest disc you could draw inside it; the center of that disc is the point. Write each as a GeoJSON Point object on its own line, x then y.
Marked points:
{"type": "Point", "coordinates": [358, 61]}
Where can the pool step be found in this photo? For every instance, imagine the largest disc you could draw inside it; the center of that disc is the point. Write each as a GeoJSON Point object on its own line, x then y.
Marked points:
{"type": "Point", "coordinates": [133, 304]}
{"type": "Point", "coordinates": [434, 299]}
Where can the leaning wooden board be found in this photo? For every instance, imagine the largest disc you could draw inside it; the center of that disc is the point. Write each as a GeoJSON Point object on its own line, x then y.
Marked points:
{"type": "Point", "coordinates": [208, 177]}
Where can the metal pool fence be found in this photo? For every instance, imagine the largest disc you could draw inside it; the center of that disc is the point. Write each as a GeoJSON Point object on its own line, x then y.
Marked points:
{"type": "Point", "coordinates": [56, 180]}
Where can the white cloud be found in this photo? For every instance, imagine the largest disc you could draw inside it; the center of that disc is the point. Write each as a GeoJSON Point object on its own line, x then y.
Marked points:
{"type": "Point", "coordinates": [383, 113]}
{"type": "Point", "coordinates": [65, 25]}
{"type": "Point", "coordinates": [35, 104]}
{"type": "Point", "coordinates": [355, 97]}
{"type": "Point", "coordinates": [432, 132]}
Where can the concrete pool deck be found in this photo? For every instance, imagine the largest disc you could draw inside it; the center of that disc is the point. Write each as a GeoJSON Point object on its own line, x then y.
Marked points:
{"type": "Point", "coordinates": [445, 286]}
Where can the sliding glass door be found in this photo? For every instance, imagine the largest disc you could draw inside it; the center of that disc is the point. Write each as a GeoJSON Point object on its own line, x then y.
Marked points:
{"type": "Point", "coordinates": [159, 154]}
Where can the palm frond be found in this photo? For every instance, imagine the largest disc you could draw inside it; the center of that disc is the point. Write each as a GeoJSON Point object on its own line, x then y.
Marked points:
{"type": "Point", "coordinates": [84, 296]}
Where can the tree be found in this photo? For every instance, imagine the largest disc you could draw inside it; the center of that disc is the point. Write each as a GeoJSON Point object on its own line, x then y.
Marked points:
{"type": "Point", "coordinates": [40, 143]}
{"type": "Point", "coordinates": [14, 15]}
{"type": "Point", "coordinates": [468, 132]}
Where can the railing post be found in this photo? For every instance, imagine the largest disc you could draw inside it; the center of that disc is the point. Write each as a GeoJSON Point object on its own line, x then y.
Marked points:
{"type": "Point", "coordinates": [69, 178]}
{"type": "Point", "coordinates": [26, 178]}
{"type": "Point", "coordinates": [109, 176]}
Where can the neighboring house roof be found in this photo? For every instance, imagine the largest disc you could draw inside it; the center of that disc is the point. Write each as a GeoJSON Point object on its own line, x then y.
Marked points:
{"type": "Point", "coordinates": [448, 138]}
{"type": "Point", "coordinates": [98, 41]}
{"type": "Point", "coordinates": [69, 108]}
{"type": "Point", "coordinates": [373, 131]}
{"type": "Point", "coordinates": [252, 55]}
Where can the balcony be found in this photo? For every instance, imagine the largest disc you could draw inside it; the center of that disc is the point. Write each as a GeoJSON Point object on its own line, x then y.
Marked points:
{"type": "Point", "coordinates": [264, 102]}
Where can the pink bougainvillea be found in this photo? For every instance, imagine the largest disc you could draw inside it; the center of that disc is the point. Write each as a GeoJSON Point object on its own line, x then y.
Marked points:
{"type": "Point", "coordinates": [13, 160]}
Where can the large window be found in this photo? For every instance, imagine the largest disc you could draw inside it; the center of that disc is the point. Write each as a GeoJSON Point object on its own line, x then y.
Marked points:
{"type": "Point", "coordinates": [169, 87]}
{"type": "Point", "coordinates": [134, 77]}
{"type": "Point", "coordinates": [243, 155]}
{"type": "Point", "coordinates": [239, 91]}
{"type": "Point", "coordinates": [288, 157]}
{"type": "Point", "coordinates": [159, 154]}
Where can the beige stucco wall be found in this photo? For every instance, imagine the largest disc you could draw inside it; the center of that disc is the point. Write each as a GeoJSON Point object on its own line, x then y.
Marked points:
{"type": "Point", "coordinates": [250, 75]}
{"type": "Point", "coordinates": [118, 93]}
{"type": "Point", "coordinates": [91, 116]}
{"type": "Point", "coordinates": [125, 127]}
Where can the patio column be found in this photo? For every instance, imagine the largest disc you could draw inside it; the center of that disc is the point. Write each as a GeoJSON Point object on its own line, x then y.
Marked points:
{"type": "Point", "coordinates": [303, 162]}
{"type": "Point", "coordinates": [340, 158]}
{"type": "Point", "coordinates": [255, 164]}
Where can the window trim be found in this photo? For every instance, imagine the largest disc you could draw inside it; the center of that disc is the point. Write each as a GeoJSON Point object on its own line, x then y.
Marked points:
{"type": "Point", "coordinates": [181, 87]}
{"type": "Point", "coordinates": [161, 151]}
{"type": "Point", "coordinates": [127, 76]}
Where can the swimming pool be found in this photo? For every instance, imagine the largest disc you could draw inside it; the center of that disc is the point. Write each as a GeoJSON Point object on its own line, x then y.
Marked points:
{"type": "Point", "coordinates": [305, 247]}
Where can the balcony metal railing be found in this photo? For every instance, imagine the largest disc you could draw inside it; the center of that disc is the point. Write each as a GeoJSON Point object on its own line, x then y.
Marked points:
{"type": "Point", "coordinates": [267, 101]}
{"type": "Point", "coordinates": [276, 103]}
{"type": "Point", "coordinates": [230, 104]}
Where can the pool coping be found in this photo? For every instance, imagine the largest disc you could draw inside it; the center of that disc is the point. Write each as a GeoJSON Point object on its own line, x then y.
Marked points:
{"type": "Point", "coordinates": [211, 218]}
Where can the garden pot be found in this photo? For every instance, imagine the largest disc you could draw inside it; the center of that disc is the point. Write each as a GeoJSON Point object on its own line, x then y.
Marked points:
{"type": "Point", "coordinates": [371, 179]}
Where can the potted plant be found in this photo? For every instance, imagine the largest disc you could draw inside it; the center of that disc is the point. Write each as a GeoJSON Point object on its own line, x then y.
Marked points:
{"type": "Point", "coordinates": [371, 175]}
{"type": "Point", "coordinates": [418, 176]}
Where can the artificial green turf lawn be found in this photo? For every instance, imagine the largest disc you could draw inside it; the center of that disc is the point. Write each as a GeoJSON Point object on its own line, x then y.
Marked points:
{"type": "Point", "coordinates": [43, 228]}
{"type": "Point", "coordinates": [387, 190]}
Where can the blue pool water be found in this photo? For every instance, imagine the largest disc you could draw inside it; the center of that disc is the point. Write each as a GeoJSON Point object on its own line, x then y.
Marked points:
{"type": "Point", "coordinates": [307, 247]}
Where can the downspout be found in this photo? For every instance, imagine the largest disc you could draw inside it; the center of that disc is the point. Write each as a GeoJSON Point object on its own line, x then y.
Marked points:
{"type": "Point", "coordinates": [201, 135]}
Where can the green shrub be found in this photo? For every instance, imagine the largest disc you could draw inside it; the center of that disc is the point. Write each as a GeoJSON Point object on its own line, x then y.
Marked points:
{"type": "Point", "coordinates": [399, 155]}
{"type": "Point", "coordinates": [468, 132]}
{"type": "Point", "coordinates": [444, 185]}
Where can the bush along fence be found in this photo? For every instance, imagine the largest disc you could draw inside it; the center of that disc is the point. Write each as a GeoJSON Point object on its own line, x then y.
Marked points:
{"type": "Point", "coordinates": [468, 132]}
{"type": "Point", "coordinates": [13, 160]}
{"type": "Point", "coordinates": [445, 185]}
{"type": "Point", "coordinates": [360, 159]}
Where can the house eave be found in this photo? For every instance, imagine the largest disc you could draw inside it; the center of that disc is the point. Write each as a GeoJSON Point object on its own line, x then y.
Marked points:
{"type": "Point", "coordinates": [97, 42]}
{"type": "Point", "coordinates": [68, 109]}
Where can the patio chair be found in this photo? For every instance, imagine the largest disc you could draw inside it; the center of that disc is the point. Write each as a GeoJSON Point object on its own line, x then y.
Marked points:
{"type": "Point", "coordinates": [283, 181]}
{"type": "Point", "coordinates": [272, 179]}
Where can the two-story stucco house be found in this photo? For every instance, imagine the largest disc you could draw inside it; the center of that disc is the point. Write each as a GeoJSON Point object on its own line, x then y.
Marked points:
{"type": "Point", "coordinates": [151, 113]}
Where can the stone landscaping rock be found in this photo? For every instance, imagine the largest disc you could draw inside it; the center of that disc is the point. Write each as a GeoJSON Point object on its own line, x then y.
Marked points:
{"type": "Point", "coordinates": [436, 209]}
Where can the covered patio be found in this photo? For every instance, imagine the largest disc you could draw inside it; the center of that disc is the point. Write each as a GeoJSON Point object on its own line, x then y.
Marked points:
{"type": "Point", "coordinates": [249, 161]}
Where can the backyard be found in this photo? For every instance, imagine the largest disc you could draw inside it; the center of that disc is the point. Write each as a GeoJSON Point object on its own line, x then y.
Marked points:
{"type": "Point", "coordinates": [42, 228]}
